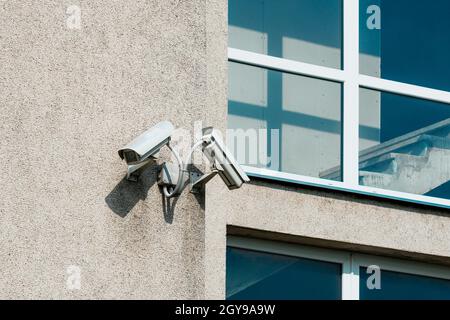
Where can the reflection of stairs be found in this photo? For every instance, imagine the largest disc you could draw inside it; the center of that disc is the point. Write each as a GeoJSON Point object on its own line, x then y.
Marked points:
{"type": "Point", "coordinates": [417, 162]}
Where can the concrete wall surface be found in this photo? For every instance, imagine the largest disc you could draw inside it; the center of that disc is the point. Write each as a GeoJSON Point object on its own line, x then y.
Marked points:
{"type": "Point", "coordinates": [71, 226]}
{"type": "Point", "coordinates": [69, 99]}
{"type": "Point", "coordinates": [340, 220]}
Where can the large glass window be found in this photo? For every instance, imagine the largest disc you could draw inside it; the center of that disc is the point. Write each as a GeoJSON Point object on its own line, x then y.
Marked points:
{"type": "Point", "coordinates": [257, 275]}
{"type": "Point", "coordinates": [268, 270]}
{"type": "Point", "coordinates": [351, 95]}
{"type": "Point", "coordinates": [410, 148]}
{"type": "Point", "coordinates": [403, 286]}
{"type": "Point", "coordinates": [306, 30]}
{"type": "Point", "coordinates": [406, 41]}
{"type": "Point", "coordinates": [290, 123]}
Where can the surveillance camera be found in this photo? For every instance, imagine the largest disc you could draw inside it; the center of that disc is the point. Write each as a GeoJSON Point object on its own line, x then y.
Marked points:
{"type": "Point", "coordinates": [143, 149]}
{"type": "Point", "coordinates": [147, 144]}
{"type": "Point", "coordinates": [222, 159]}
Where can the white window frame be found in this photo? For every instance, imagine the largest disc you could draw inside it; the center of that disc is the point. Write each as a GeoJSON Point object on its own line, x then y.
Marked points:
{"type": "Point", "coordinates": [352, 81]}
{"type": "Point", "coordinates": [350, 262]}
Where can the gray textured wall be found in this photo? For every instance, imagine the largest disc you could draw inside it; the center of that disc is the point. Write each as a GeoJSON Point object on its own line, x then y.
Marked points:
{"type": "Point", "coordinates": [69, 100]}
{"type": "Point", "coordinates": [340, 220]}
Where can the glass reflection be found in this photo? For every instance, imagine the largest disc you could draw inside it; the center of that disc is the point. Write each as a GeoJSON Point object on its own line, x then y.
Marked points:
{"type": "Point", "coordinates": [402, 286]}
{"type": "Point", "coordinates": [304, 30]}
{"type": "Point", "coordinates": [255, 275]}
{"type": "Point", "coordinates": [406, 41]}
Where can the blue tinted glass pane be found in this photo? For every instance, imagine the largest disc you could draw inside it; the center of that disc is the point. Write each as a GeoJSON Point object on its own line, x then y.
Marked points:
{"type": "Point", "coordinates": [256, 275]}
{"type": "Point", "coordinates": [404, 144]}
{"type": "Point", "coordinates": [304, 30]}
{"type": "Point", "coordinates": [406, 41]}
{"type": "Point", "coordinates": [284, 122]}
{"type": "Point", "coordinates": [402, 286]}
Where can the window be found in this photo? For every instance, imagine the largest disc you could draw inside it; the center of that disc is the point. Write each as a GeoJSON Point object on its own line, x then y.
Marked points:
{"type": "Point", "coordinates": [406, 41]}
{"type": "Point", "coordinates": [299, 113]}
{"type": "Point", "coordinates": [401, 280]}
{"type": "Point", "coordinates": [260, 275]}
{"type": "Point", "coordinates": [352, 95]}
{"type": "Point", "coordinates": [410, 150]}
{"type": "Point", "coordinates": [403, 286]}
{"type": "Point", "coordinates": [308, 30]}
{"type": "Point", "coordinates": [266, 270]}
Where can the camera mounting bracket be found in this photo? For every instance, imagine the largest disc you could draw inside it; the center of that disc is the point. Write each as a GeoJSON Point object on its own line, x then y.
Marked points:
{"type": "Point", "coordinates": [169, 175]}
{"type": "Point", "coordinates": [133, 169]}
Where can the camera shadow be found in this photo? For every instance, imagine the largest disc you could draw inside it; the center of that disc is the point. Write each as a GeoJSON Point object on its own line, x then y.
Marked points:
{"type": "Point", "coordinates": [126, 194]}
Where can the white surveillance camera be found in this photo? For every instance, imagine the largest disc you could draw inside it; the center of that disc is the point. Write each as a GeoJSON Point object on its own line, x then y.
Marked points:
{"type": "Point", "coordinates": [222, 160]}
{"type": "Point", "coordinates": [148, 143]}
{"type": "Point", "coordinates": [143, 149]}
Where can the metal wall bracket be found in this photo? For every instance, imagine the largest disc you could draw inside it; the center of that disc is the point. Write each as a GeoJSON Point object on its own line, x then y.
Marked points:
{"type": "Point", "coordinates": [198, 181]}
{"type": "Point", "coordinates": [133, 169]}
{"type": "Point", "coordinates": [168, 177]}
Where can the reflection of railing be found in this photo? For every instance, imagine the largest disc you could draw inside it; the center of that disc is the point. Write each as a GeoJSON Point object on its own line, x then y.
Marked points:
{"type": "Point", "coordinates": [417, 162]}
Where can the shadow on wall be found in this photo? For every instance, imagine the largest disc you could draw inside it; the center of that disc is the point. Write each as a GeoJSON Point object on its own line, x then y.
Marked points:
{"type": "Point", "coordinates": [169, 205]}
{"type": "Point", "coordinates": [124, 197]}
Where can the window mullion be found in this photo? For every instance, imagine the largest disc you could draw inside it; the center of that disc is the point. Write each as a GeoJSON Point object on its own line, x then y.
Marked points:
{"type": "Point", "coordinates": [350, 279]}
{"type": "Point", "coordinates": [350, 134]}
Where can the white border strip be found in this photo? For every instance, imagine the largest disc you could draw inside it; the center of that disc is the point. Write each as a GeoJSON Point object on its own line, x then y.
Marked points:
{"type": "Point", "coordinates": [350, 281]}
{"type": "Point", "coordinates": [402, 266]}
{"type": "Point", "coordinates": [341, 186]}
{"type": "Point", "coordinates": [336, 75]}
{"type": "Point", "coordinates": [350, 116]}
{"type": "Point", "coordinates": [404, 89]}
{"type": "Point", "coordinates": [288, 249]}
{"type": "Point", "coordinates": [285, 65]}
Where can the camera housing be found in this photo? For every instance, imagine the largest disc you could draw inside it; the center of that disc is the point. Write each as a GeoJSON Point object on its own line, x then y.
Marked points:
{"type": "Point", "coordinates": [222, 160]}
{"type": "Point", "coordinates": [148, 143]}
{"type": "Point", "coordinates": [143, 149]}
{"type": "Point", "coordinates": [173, 178]}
